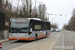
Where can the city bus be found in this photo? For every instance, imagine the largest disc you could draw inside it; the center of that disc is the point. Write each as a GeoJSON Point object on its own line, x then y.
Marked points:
{"type": "Point", "coordinates": [28, 29]}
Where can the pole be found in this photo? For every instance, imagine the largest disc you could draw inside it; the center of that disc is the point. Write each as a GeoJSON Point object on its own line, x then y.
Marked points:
{"type": "Point", "coordinates": [52, 22]}
{"type": "Point", "coordinates": [48, 17]}
{"type": "Point", "coordinates": [40, 11]}
{"type": "Point", "coordinates": [0, 3]}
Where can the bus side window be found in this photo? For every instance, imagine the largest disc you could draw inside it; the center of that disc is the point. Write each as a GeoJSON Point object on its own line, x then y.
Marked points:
{"type": "Point", "coordinates": [43, 27]}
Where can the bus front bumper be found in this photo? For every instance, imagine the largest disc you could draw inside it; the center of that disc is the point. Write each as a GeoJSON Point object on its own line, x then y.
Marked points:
{"type": "Point", "coordinates": [16, 38]}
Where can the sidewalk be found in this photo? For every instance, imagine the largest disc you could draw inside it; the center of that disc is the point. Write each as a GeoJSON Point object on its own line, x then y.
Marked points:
{"type": "Point", "coordinates": [4, 40]}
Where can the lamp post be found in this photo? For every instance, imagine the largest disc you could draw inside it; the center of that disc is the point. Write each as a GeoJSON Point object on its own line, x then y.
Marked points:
{"type": "Point", "coordinates": [52, 21]}
{"type": "Point", "coordinates": [48, 15]}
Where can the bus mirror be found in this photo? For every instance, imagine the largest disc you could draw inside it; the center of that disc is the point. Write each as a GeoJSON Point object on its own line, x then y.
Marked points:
{"type": "Point", "coordinates": [30, 29]}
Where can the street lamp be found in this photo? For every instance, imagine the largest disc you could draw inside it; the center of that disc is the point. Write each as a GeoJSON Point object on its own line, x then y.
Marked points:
{"type": "Point", "coordinates": [48, 15]}
{"type": "Point", "coordinates": [58, 14]}
{"type": "Point", "coordinates": [52, 21]}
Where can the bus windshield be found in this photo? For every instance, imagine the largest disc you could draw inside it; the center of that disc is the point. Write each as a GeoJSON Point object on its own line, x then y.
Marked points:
{"type": "Point", "coordinates": [19, 24]}
{"type": "Point", "coordinates": [20, 27]}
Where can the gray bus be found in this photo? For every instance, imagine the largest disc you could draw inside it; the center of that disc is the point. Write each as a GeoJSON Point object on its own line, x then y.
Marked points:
{"type": "Point", "coordinates": [28, 29]}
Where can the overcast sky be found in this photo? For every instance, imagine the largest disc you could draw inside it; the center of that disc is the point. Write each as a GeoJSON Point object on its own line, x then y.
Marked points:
{"type": "Point", "coordinates": [64, 7]}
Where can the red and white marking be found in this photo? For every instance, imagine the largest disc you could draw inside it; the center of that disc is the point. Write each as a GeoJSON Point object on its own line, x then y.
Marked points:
{"type": "Point", "coordinates": [0, 46]}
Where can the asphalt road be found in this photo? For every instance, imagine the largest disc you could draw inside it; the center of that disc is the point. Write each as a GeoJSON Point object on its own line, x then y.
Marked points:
{"type": "Point", "coordinates": [64, 40]}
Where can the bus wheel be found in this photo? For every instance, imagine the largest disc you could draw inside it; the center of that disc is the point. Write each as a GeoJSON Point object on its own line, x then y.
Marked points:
{"type": "Point", "coordinates": [46, 35]}
{"type": "Point", "coordinates": [36, 37]}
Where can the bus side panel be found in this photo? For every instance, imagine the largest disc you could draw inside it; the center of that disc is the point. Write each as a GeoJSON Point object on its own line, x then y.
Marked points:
{"type": "Point", "coordinates": [41, 34]}
{"type": "Point", "coordinates": [32, 38]}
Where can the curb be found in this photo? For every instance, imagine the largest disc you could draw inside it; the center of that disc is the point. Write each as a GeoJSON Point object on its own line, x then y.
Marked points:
{"type": "Point", "coordinates": [5, 41]}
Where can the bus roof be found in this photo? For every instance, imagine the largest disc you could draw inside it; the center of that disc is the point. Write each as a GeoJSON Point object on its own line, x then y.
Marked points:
{"type": "Point", "coordinates": [26, 18]}
{"type": "Point", "coordinates": [34, 18]}
{"type": "Point", "coordinates": [29, 19]}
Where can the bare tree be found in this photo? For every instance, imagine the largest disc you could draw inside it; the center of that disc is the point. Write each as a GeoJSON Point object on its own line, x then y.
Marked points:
{"type": "Point", "coordinates": [71, 23]}
{"type": "Point", "coordinates": [27, 6]}
{"type": "Point", "coordinates": [1, 4]}
{"type": "Point", "coordinates": [17, 9]}
{"type": "Point", "coordinates": [30, 9]}
{"type": "Point", "coordinates": [39, 11]}
{"type": "Point", "coordinates": [73, 13]}
{"type": "Point", "coordinates": [42, 11]}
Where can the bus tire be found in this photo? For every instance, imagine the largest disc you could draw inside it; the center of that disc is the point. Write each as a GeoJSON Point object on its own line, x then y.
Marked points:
{"type": "Point", "coordinates": [35, 36]}
{"type": "Point", "coordinates": [46, 35]}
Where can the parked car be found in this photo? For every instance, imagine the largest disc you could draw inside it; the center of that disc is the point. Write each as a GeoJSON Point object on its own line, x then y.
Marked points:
{"type": "Point", "coordinates": [52, 29]}
{"type": "Point", "coordinates": [57, 30]}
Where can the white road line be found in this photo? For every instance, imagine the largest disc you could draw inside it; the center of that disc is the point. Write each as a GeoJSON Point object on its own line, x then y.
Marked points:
{"type": "Point", "coordinates": [71, 38]}
{"type": "Point", "coordinates": [48, 42]}
{"type": "Point", "coordinates": [53, 43]}
{"type": "Point", "coordinates": [9, 42]}
{"type": "Point", "coordinates": [62, 41]}
{"type": "Point", "coordinates": [22, 46]}
{"type": "Point", "coordinates": [25, 45]}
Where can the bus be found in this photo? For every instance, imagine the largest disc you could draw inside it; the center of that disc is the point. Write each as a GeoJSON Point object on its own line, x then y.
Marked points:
{"type": "Point", "coordinates": [28, 29]}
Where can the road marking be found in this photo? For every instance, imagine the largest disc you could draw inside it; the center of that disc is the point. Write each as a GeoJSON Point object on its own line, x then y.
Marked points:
{"type": "Point", "coordinates": [71, 38]}
{"type": "Point", "coordinates": [47, 43]}
{"type": "Point", "coordinates": [54, 43]}
{"type": "Point", "coordinates": [9, 41]}
{"type": "Point", "coordinates": [22, 46]}
{"type": "Point", "coordinates": [62, 41]}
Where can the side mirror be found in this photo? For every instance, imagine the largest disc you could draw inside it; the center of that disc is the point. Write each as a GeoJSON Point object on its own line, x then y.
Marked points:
{"type": "Point", "coordinates": [30, 29]}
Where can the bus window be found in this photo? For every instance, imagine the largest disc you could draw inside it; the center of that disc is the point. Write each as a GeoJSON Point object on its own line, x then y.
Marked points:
{"type": "Point", "coordinates": [37, 27]}
{"type": "Point", "coordinates": [47, 26]}
{"type": "Point", "coordinates": [43, 25]}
